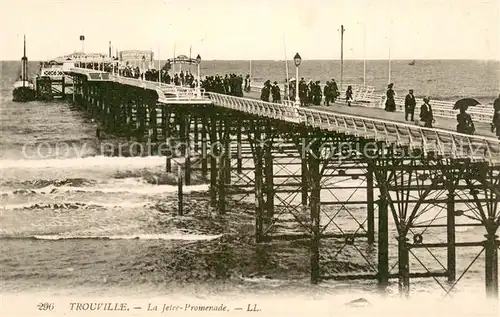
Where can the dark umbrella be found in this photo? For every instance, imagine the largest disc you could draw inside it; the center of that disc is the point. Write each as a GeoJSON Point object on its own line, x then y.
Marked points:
{"type": "Point", "coordinates": [466, 102]}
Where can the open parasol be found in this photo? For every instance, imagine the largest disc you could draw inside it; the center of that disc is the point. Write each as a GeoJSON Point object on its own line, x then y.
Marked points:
{"type": "Point", "coordinates": [466, 102]}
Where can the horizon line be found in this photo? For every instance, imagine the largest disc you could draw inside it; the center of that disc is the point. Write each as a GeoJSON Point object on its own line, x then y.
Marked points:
{"type": "Point", "coordinates": [324, 59]}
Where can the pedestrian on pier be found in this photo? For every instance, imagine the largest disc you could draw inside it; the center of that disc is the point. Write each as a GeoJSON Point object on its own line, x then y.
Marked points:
{"type": "Point", "coordinates": [390, 104]}
{"type": "Point", "coordinates": [275, 91]}
{"type": "Point", "coordinates": [286, 93]}
{"type": "Point", "coordinates": [495, 124]}
{"type": "Point", "coordinates": [426, 115]}
{"type": "Point", "coordinates": [247, 83]}
{"type": "Point", "coordinates": [465, 124]}
{"type": "Point", "coordinates": [348, 95]}
{"type": "Point", "coordinates": [410, 104]}
{"type": "Point", "coordinates": [327, 93]}
{"type": "Point", "coordinates": [291, 89]}
{"type": "Point", "coordinates": [335, 90]}
{"type": "Point", "coordinates": [316, 93]}
{"type": "Point", "coordinates": [302, 92]}
{"type": "Point", "coordinates": [264, 93]}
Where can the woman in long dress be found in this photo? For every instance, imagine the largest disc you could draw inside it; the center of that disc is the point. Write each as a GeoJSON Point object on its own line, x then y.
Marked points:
{"type": "Point", "coordinates": [348, 95]}
{"type": "Point", "coordinates": [465, 124]}
{"type": "Point", "coordinates": [390, 104]}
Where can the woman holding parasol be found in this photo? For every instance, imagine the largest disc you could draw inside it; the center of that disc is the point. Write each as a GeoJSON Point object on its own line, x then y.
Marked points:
{"type": "Point", "coordinates": [465, 124]}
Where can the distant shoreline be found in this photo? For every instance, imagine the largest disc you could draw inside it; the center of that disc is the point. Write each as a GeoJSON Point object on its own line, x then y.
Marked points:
{"type": "Point", "coordinates": [326, 59]}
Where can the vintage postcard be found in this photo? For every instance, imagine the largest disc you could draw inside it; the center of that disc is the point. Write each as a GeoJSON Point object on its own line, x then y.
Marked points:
{"type": "Point", "coordinates": [249, 158]}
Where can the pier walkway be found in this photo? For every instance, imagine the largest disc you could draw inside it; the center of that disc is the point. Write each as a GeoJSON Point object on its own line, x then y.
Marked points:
{"type": "Point", "coordinates": [364, 96]}
{"type": "Point", "coordinates": [332, 176]}
{"type": "Point", "coordinates": [361, 121]}
{"type": "Point", "coordinates": [447, 122]}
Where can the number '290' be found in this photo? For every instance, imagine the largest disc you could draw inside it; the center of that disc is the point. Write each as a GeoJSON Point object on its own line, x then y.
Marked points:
{"type": "Point", "coordinates": [45, 306]}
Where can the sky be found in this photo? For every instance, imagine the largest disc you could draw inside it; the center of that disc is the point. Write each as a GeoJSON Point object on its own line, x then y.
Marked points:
{"type": "Point", "coordinates": [255, 29]}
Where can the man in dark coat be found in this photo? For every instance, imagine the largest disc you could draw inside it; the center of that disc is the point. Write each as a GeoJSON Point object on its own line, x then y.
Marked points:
{"type": "Point", "coordinates": [495, 124]}
{"type": "Point", "coordinates": [264, 93]}
{"type": "Point", "coordinates": [409, 105]}
{"type": "Point", "coordinates": [275, 92]}
{"type": "Point", "coordinates": [335, 90]}
{"type": "Point", "coordinates": [426, 115]}
{"type": "Point", "coordinates": [327, 93]}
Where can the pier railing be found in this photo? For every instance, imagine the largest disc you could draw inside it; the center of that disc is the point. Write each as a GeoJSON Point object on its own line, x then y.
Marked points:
{"type": "Point", "coordinates": [444, 109]}
{"type": "Point", "coordinates": [166, 92]}
{"type": "Point", "coordinates": [365, 96]}
{"type": "Point", "coordinates": [442, 142]}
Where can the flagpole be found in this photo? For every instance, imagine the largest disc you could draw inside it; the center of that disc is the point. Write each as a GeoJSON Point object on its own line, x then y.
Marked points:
{"type": "Point", "coordinates": [341, 56]}
{"type": "Point", "coordinates": [173, 62]}
{"type": "Point", "coordinates": [389, 65]}
{"type": "Point", "coordinates": [364, 55]}
{"type": "Point", "coordinates": [159, 66]}
{"type": "Point", "coordinates": [390, 43]}
{"type": "Point", "coordinates": [286, 59]}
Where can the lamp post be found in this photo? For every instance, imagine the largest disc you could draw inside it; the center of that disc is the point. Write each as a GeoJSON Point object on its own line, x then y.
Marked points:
{"type": "Point", "coordinates": [143, 66]}
{"type": "Point", "coordinates": [82, 39]}
{"type": "Point", "coordinates": [297, 59]}
{"type": "Point", "coordinates": [198, 61]}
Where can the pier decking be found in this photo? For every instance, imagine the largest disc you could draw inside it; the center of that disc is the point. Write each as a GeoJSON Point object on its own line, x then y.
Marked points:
{"type": "Point", "coordinates": [287, 159]}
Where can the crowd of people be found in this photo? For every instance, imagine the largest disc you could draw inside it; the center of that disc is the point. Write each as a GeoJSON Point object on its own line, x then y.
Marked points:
{"type": "Point", "coordinates": [465, 124]}
{"type": "Point", "coordinates": [310, 93]}
{"type": "Point", "coordinates": [231, 84]}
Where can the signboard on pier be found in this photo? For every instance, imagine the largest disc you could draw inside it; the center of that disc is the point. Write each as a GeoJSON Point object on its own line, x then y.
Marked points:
{"type": "Point", "coordinates": [136, 57]}
{"type": "Point", "coordinates": [182, 59]}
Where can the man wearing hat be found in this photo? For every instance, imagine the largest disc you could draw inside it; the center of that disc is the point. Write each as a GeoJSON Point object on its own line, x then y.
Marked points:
{"type": "Point", "coordinates": [495, 124]}
{"type": "Point", "coordinates": [426, 115]}
{"type": "Point", "coordinates": [264, 93]}
{"type": "Point", "coordinates": [409, 105]}
{"type": "Point", "coordinates": [275, 92]}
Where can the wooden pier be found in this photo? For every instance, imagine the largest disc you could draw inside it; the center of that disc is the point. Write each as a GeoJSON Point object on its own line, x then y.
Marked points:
{"type": "Point", "coordinates": [291, 161]}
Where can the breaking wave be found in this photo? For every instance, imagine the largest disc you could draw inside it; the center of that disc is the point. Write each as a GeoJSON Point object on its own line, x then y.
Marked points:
{"type": "Point", "coordinates": [177, 236]}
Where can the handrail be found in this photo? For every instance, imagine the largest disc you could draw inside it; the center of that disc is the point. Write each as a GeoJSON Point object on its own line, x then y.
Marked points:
{"type": "Point", "coordinates": [447, 143]}
{"type": "Point", "coordinates": [481, 113]}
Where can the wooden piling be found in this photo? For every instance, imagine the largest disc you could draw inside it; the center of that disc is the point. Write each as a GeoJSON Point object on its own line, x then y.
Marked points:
{"type": "Point", "coordinates": [204, 148]}
{"type": "Point", "coordinates": [239, 160]}
{"type": "Point", "coordinates": [168, 143]}
{"type": "Point", "coordinates": [224, 167]}
{"type": "Point", "coordinates": [196, 137]}
{"type": "Point", "coordinates": [305, 189]}
{"type": "Point", "coordinates": [153, 120]}
{"type": "Point", "coordinates": [180, 196]}
{"type": "Point", "coordinates": [63, 88]}
{"type": "Point", "coordinates": [383, 243]}
{"type": "Point", "coordinates": [404, 266]}
{"type": "Point", "coordinates": [186, 149]}
{"type": "Point", "coordinates": [450, 228]}
{"type": "Point", "coordinates": [259, 205]}
{"type": "Point", "coordinates": [315, 205]}
{"type": "Point", "coordinates": [213, 161]}
{"type": "Point", "coordinates": [269, 179]}
{"type": "Point", "coordinates": [227, 151]}
{"type": "Point", "coordinates": [491, 259]}
{"type": "Point", "coordinates": [370, 205]}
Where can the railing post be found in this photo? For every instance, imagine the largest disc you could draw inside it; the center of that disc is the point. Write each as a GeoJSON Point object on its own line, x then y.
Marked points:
{"type": "Point", "coordinates": [491, 260]}
{"type": "Point", "coordinates": [383, 243]}
{"type": "Point", "coordinates": [450, 226]}
{"type": "Point", "coordinates": [370, 205]}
